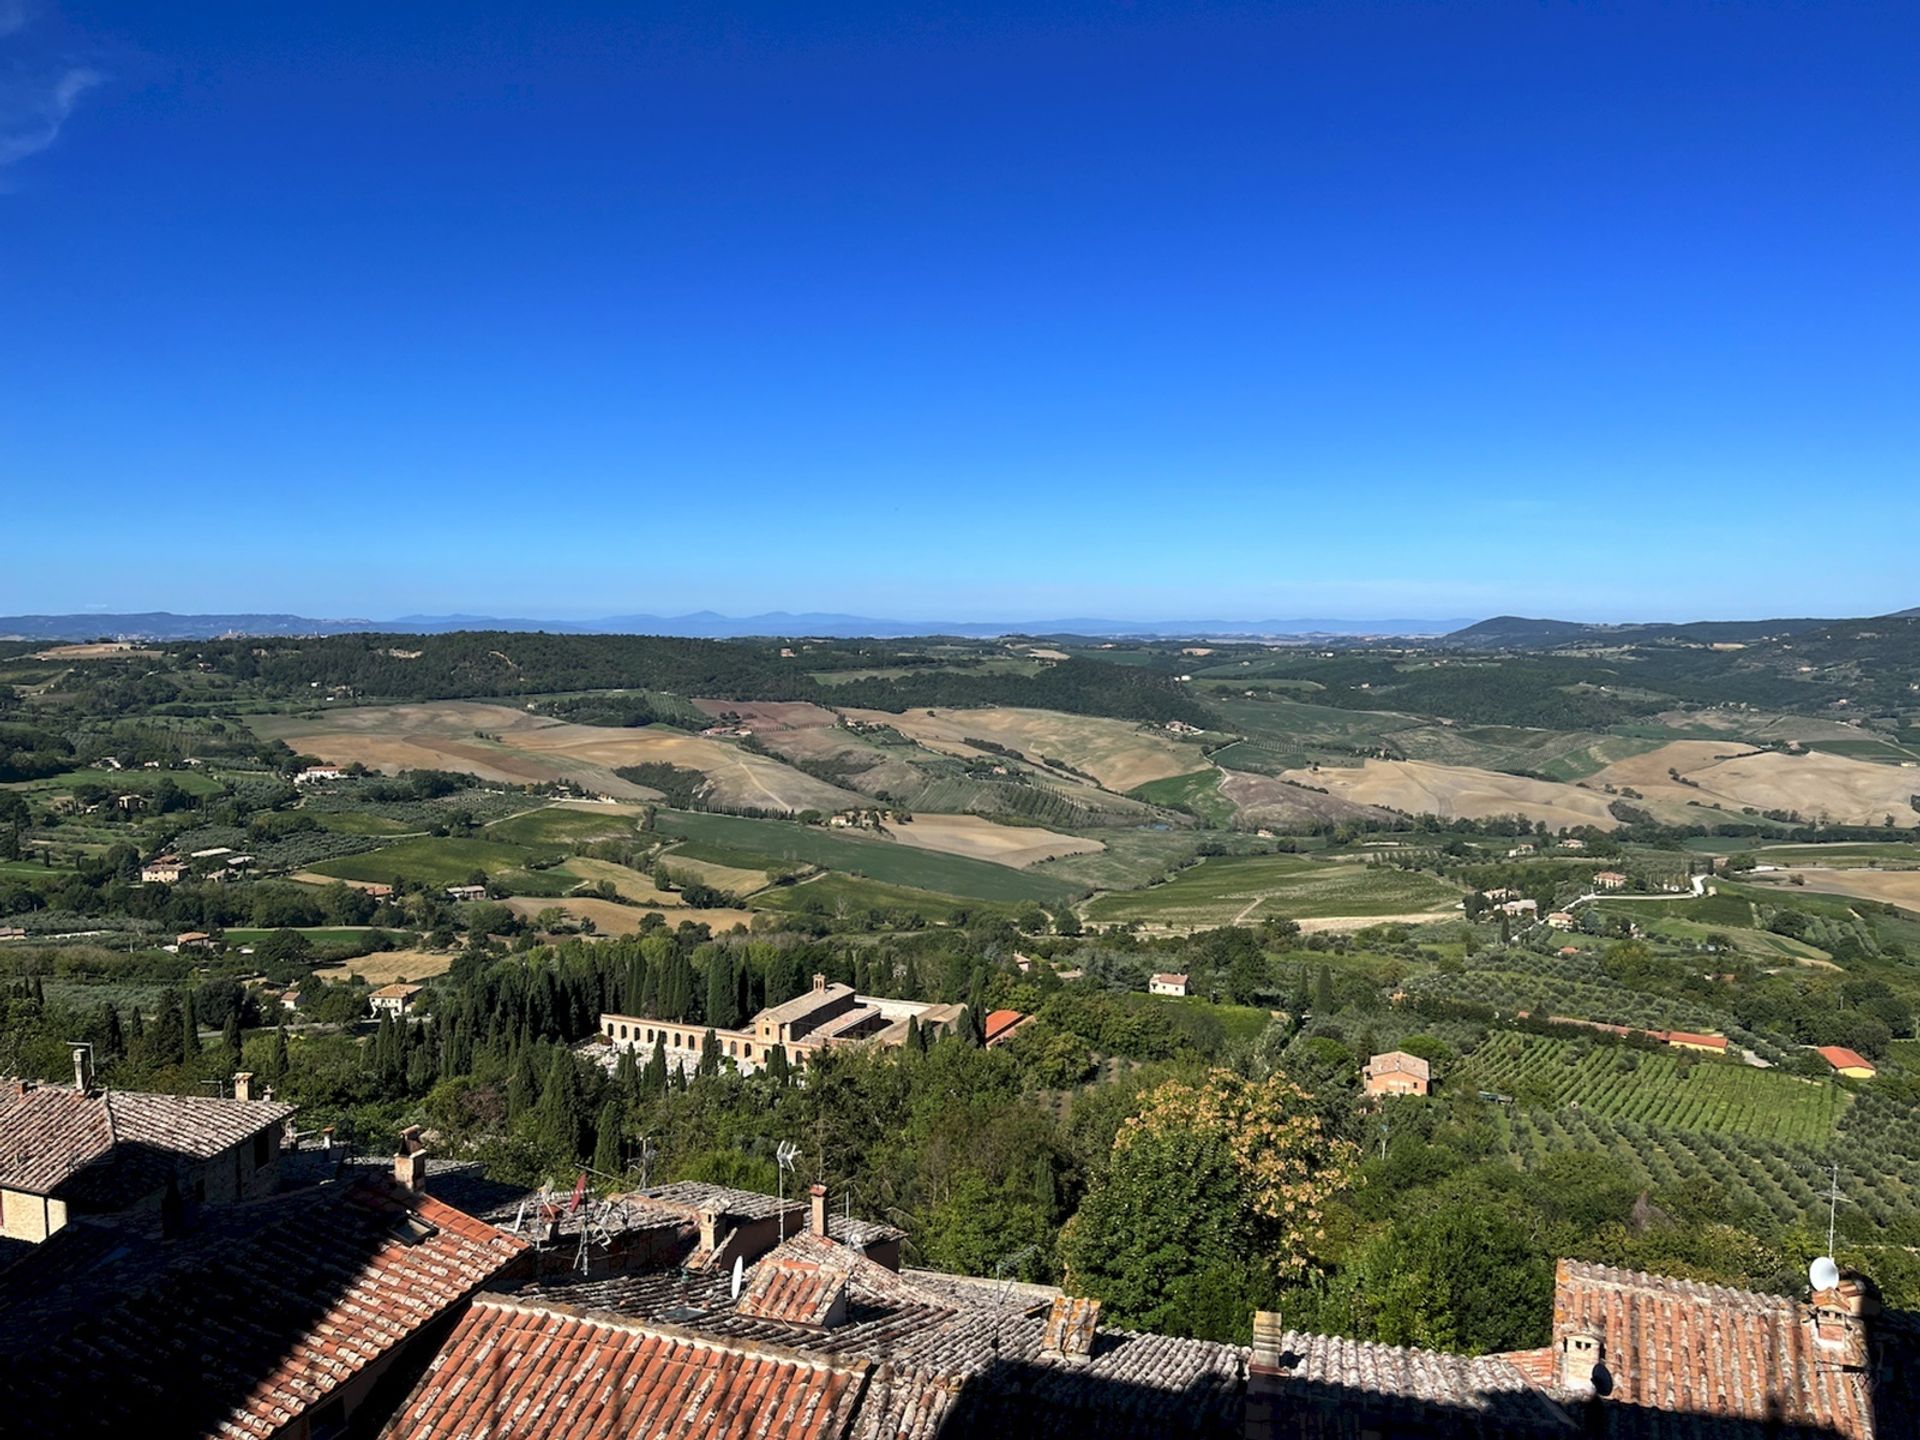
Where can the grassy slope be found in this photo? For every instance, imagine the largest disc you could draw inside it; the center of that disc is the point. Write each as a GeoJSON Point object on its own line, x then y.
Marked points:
{"type": "Point", "coordinates": [760, 843]}
{"type": "Point", "coordinates": [1218, 890]}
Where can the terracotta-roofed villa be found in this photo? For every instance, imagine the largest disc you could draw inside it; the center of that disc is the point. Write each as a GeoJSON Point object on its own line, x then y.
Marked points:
{"type": "Point", "coordinates": [1397, 1073]}
{"type": "Point", "coordinates": [1167, 985]}
{"type": "Point", "coordinates": [1849, 1063]}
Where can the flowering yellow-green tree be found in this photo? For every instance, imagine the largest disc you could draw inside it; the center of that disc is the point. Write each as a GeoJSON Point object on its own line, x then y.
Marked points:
{"type": "Point", "coordinates": [1212, 1196]}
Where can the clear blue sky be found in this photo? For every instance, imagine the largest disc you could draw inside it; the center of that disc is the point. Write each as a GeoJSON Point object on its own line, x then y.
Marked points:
{"type": "Point", "coordinates": [972, 311]}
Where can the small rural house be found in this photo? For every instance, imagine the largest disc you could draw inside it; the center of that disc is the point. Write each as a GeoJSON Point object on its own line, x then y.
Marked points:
{"type": "Point", "coordinates": [1001, 1025]}
{"type": "Point", "coordinates": [314, 774]}
{"type": "Point", "coordinates": [1609, 880]}
{"type": "Point", "coordinates": [1849, 1063]}
{"type": "Point", "coordinates": [163, 870]}
{"type": "Point", "coordinates": [1168, 985]}
{"type": "Point", "coordinates": [394, 1000]}
{"type": "Point", "coordinates": [1560, 920]}
{"type": "Point", "coordinates": [1398, 1073]}
{"type": "Point", "coordinates": [466, 892]}
{"type": "Point", "coordinates": [193, 940]}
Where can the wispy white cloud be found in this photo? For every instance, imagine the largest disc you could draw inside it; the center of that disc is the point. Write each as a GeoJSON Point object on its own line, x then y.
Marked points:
{"type": "Point", "coordinates": [13, 16]}
{"type": "Point", "coordinates": [35, 117]}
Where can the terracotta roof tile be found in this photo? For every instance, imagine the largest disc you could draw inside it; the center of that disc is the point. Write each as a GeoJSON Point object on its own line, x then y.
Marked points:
{"type": "Point", "coordinates": [513, 1370]}
{"type": "Point", "coordinates": [240, 1328]}
{"type": "Point", "coordinates": [50, 1133]}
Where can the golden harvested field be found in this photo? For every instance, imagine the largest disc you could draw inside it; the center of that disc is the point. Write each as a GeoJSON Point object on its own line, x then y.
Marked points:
{"type": "Point", "coordinates": [610, 918]}
{"type": "Point", "coordinates": [390, 966]}
{"type": "Point", "coordinates": [630, 884]}
{"type": "Point", "coordinates": [736, 879]}
{"type": "Point", "coordinates": [497, 743]}
{"type": "Point", "coordinates": [1117, 753]}
{"type": "Point", "coordinates": [1846, 791]}
{"type": "Point", "coordinates": [102, 650]}
{"type": "Point", "coordinates": [1893, 887]}
{"type": "Point", "coordinates": [983, 839]}
{"type": "Point", "coordinates": [798, 730]}
{"type": "Point", "coordinates": [1421, 788]}
{"type": "Point", "coordinates": [1263, 800]}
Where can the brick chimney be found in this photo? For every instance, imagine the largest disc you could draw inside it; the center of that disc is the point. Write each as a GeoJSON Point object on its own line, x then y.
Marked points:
{"type": "Point", "coordinates": [410, 1161]}
{"type": "Point", "coordinates": [243, 1085]}
{"type": "Point", "coordinates": [709, 1230]}
{"type": "Point", "coordinates": [82, 1067]}
{"type": "Point", "coordinates": [1578, 1363]}
{"type": "Point", "coordinates": [1840, 1316]}
{"type": "Point", "coordinates": [1267, 1369]}
{"type": "Point", "coordinates": [1071, 1330]}
{"type": "Point", "coordinates": [819, 982]}
{"type": "Point", "coordinates": [818, 1195]}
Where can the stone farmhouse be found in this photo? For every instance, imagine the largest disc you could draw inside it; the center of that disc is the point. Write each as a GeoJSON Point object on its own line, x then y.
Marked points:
{"type": "Point", "coordinates": [1397, 1073]}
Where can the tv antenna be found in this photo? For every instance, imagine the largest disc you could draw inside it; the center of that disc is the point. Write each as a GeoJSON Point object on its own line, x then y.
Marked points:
{"type": "Point", "coordinates": [1834, 1197]}
{"type": "Point", "coordinates": [784, 1154]}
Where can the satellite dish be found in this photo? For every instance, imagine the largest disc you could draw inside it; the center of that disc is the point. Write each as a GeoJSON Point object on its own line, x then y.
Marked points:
{"type": "Point", "coordinates": [739, 1273]}
{"type": "Point", "coordinates": [1824, 1273]}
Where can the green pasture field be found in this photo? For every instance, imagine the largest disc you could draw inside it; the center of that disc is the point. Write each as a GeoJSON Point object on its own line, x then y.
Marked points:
{"type": "Point", "coordinates": [843, 895]}
{"type": "Point", "coordinates": [1198, 793]}
{"type": "Point", "coordinates": [1884, 752]}
{"type": "Point", "coordinates": [436, 861]}
{"type": "Point", "coordinates": [31, 870]}
{"type": "Point", "coordinates": [1842, 856]}
{"type": "Point", "coordinates": [1244, 1023]}
{"type": "Point", "coordinates": [556, 825]}
{"type": "Point", "coordinates": [1247, 888]}
{"type": "Point", "coordinates": [771, 842]}
{"type": "Point", "coordinates": [1134, 857]}
{"type": "Point", "coordinates": [1624, 1083]}
{"type": "Point", "coordinates": [318, 934]}
{"type": "Point", "coordinates": [126, 782]}
{"type": "Point", "coordinates": [361, 822]}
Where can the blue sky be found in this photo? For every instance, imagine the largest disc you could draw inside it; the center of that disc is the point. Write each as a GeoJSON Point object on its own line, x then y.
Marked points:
{"type": "Point", "coordinates": [965, 311]}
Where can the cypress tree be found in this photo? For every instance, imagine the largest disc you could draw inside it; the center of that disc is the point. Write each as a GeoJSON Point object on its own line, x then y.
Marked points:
{"type": "Point", "coordinates": [279, 1060]}
{"type": "Point", "coordinates": [1323, 993]}
{"type": "Point", "coordinates": [655, 1080]}
{"type": "Point", "coordinates": [710, 1054]}
{"type": "Point", "coordinates": [778, 1070]}
{"type": "Point", "coordinates": [561, 1104]}
{"type": "Point", "coordinates": [113, 1043]}
{"type": "Point", "coordinates": [189, 1029]}
{"type": "Point", "coordinates": [609, 1157]}
{"type": "Point", "coordinates": [137, 1026]}
{"type": "Point", "coordinates": [916, 1037]}
{"type": "Point", "coordinates": [523, 1088]}
{"type": "Point", "coordinates": [230, 1039]}
{"type": "Point", "coordinates": [723, 997]}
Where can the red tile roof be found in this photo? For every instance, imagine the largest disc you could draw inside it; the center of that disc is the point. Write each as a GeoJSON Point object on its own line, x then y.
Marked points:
{"type": "Point", "coordinates": [50, 1133]}
{"type": "Point", "coordinates": [240, 1329]}
{"type": "Point", "coordinates": [803, 1282]}
{"type": "Point", "coordinates": [1680, 1345]}
{"type": "Point", "coordinates": [1001, 1023]}
{"type": "Point", "coordinates": [1169, 979]}
{"type": "Point", "coordinates": [514, 1370]}
{"type": "Point", "coordinates": [1689, 1037]}
{"type": "Point", "coordinates": [1842, 1058]}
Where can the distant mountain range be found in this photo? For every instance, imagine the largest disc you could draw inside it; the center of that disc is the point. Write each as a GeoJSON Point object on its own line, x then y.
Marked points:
{"type": "Point", "coordinates": [705, 624]}
{"type": "Point", "coordinates": [1515, 632]}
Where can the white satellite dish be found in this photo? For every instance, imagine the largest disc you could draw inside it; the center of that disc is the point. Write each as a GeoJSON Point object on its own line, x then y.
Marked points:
{"type": "Point", "coordinates": [739, 1273]}
{"type": "Point", "coordinates": [1824, 1273]}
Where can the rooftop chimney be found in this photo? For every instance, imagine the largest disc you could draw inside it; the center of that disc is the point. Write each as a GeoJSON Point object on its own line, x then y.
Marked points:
{"type": "Point", "coordinates": [82, 1067]}
{"type": "Point", "coordinates": [1841, 1314]}
{"type": "Point", "coordinates": [410, 1162]}
{"type": "Point", "coordinates": [1267, 1368]}
{"type": "Point", "coordinates": [710, 1230]}
{"type": "Point", "coordinates": [818, 1194]}
{"type": "Point", "coordinates": [1580, 1370]}
{"type": "Point", "coordinates": [1071, 1327]}
{"type": "Point", "coordinates": [819, 982]}
{"type": "Point", "coordinates": [243, 1085]}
